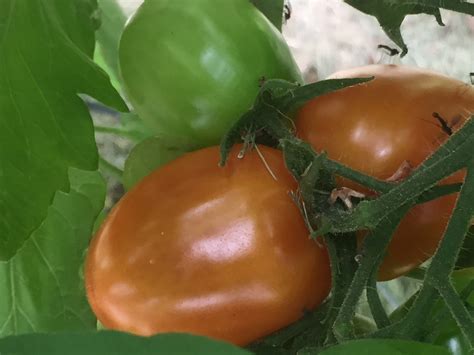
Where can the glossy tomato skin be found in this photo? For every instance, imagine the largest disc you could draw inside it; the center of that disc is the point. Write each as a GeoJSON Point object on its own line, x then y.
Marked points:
{"type": "Point", "coordinates": [222, 252]}
{"type": "Point", "coordinates": [377, 126]}
{"type": "Point", "coordinates": [192, 67]}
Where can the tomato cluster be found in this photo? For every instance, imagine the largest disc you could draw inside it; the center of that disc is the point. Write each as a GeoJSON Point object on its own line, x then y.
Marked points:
{"type": "Point", "coordinates": [224, 251]}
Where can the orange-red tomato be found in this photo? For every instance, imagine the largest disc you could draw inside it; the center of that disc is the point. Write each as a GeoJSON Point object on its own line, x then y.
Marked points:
{"type": "Point", "coordinates": [377, 126]}
{"type": "Point", "coordinates": [222, 252]}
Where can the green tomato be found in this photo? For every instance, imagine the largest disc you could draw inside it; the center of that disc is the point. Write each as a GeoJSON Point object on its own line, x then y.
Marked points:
{"type": "Point", "coordinates": [146, 157]}
{"type": "Point", "coordinates": [191, 68]}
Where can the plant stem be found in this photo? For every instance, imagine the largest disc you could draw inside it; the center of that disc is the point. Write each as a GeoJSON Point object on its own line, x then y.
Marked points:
{"type": "Point", "coordinates": [458, 310]}
{"type": "Point", "coordinates": [437, 280]}
{"type": "Point", "coordinates": [375, 244]}
{"type": "Point", "coordinates": [110, 168]}
{"type": "Point", "coordinates": [417, 274]}
{"type": "Point", "coordinates": [445, 258]}
{"type": "Point", "coordinates": [116, 131]}
{"type": "Point", "coordinates": [444, 162]}
{"type": "Point", "coordinates": [356, 176]}
{"type": "Point", "coordinates": [444, 313]}
{"type": "Point", "coordinates": [342, 253]}
{"type": "Point", "coordinates": [378, 311]}
{"type": "Point", "coordinates": [412, 324]}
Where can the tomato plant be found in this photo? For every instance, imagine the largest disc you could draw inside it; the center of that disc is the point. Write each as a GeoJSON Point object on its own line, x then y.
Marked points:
{"type": "Point", "coordinates": [440, 327]}
{"type": "Point", "coordinates": [190, 70]}
{"type": "Point", "coordinates": [403, 115]}
{"type": "Point", "coordinates": [222, 252]}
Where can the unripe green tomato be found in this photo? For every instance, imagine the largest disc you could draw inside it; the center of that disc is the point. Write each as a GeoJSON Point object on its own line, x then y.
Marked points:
{"type": "Point", "coordinates": [145, 157]}
{"type": "Point", "coordinates": [191, 68]}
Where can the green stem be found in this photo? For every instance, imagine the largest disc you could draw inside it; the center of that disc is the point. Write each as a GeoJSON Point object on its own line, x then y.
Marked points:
{"type": "Point", "coordinates": [417, 274]}
{"type": "Point", "coordinates": [342, 254]}
{"type": "Point", "coordinates": [376, 307]}
{"type": "Point", "coordinates": [411, 326]}
{"type": "Point", "coordinates": [110, 168]}
{"type": "Point", "coordinates": [444, 162]}
{"type": "Point", "coordinates": [296, 329]}
{"type": "Point", "coordinates": [440, 317]}
{"type": "Point", "coordinates": [116, 131]}
{"type": "Point", "coordinates": [458, 310]}
{"type": "Point", "coordinates": [445, 258]}
{"type": "Point", "coordinates": [356, 176]}
{"type": "Point", "coordinates": [375, 243]}
{"type": "Point", "coordinates": [437, 280]}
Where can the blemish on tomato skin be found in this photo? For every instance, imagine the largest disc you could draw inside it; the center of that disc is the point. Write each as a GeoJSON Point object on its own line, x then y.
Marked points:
{"type": "Point", "coordinates": [443, 124]}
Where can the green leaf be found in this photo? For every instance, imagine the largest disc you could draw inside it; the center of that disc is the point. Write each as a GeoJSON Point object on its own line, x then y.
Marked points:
{"type": "Point", "coordinates": [45, 126]}
{"type": "Point", "coordinates": [108, 37]}
{"type": "Point", "coordinates": [79, 19]}
{"type": "Point", "coordinates": [272, 9]}
{"type": "Point", "coordinates": [107, 342]}
{"type": "Point", "coordinates": [391, 14]}
{"type": "Point", "coordinates": [299, 155]}
{"type": "Point", "coordinates": [300, 95]}
{"type": "Point", "coordinates": [146, 157]}
{"type": "Point", "coordinates": [41, 285]}
{"type": "Point", "coordinates": [385, 347]}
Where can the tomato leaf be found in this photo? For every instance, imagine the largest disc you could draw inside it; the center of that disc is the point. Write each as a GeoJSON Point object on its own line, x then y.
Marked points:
{"type": "Point", "coordinates": [272, 9]}
{"type": "Point", "coordinates": [298, 156]}
{"type": "Point", "coordinates": [79, 19]}
{"type": "Point", "coordinates": [382, 346]}
{"type": "Point", "coordinates": [108, 37]}
{"type": "Point", "coordinates": [41, 285]}
{"type": "Point", "coordinates": [300, 95]}
{"type": "Point", "coordinates": [46, 128]}
{"type": "Point", "coordinates": [391, 14]}
{"type": "Point", "coordinates": [108, 342]}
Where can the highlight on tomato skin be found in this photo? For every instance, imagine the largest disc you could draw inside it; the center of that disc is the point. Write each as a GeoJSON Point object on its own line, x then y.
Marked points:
{"type": "Point", "coordinates": [221, 252]}
{"type": "Point", "coordinates": [404, 114]}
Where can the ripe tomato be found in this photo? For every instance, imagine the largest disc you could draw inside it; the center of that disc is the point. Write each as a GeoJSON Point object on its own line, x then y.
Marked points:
{"type": "Point", "coordinates": [377, 126]}
{"type": "Point", "coordinates": [191, 68]}
{"type": "Point", "coordinates": [222, 252]}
